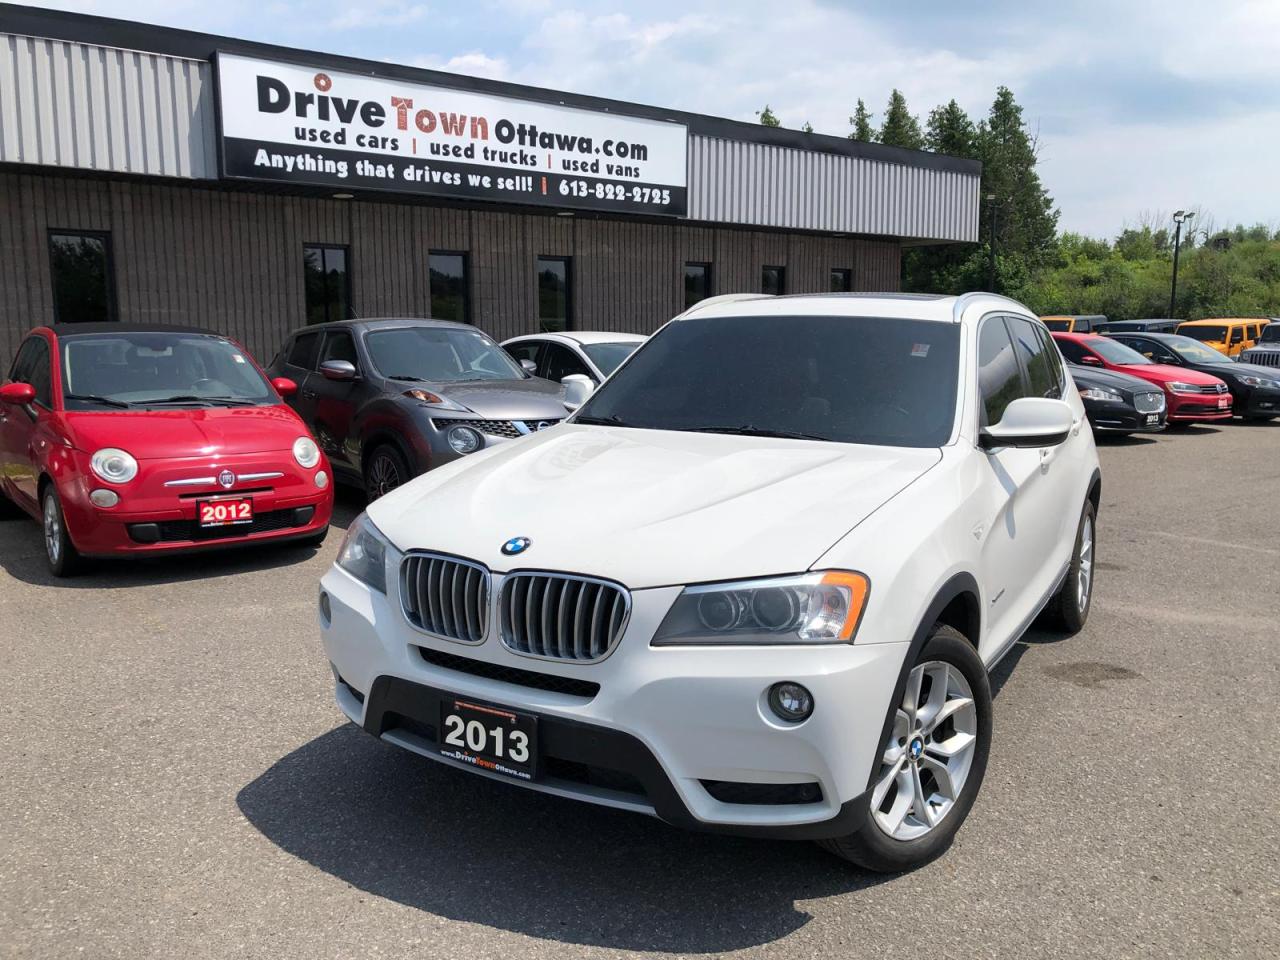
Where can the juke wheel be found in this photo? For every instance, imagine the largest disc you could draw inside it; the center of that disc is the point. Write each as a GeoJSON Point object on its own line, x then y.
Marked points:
{"type": "Point", "coordinates": [64, 559]}
{"type": "Point", "coordinates": [386, 471]}
{"type": "Point", "coordinates": [932, 764]}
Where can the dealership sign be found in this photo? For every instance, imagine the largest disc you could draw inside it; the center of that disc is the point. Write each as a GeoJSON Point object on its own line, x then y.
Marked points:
{"type": "Point", "coordinates": [304, 125]}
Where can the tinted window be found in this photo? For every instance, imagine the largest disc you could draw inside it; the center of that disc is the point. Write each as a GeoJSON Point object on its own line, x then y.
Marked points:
{"type": "Point", "coordinates": [81, 274]}
{"type": "Point", "coordinates": [1062, 324]}
{"type": "Point", "coordinates": [1073, 351]}
{"type": "Point", "coordinates": [1037, 357]}
{"type": "Point", "coordinates": [846, 379]}
{"type": "Point", "coordinates": [773, 280]}
{"type": "Point", "coordinates": [1203, 333]}
{"type": "Point", "coordinates": [303, 352]}
{"type": "Point", "coordinates": [328, 283]}
{"type": "Point", "coordinates": [999, 377]}
{"type": "Point", "coordinates": [147, 369]}
{"type": "Point", "coordinates": [554, 307]}
{"type": "Point", "coordinates": [450, 290]}
{"type": "Point", "coordinates": [559, 361]}
{"type": "Point", "coordinates": [1113, 351]}
{"type": "Point", "coordinates": [32, 366]}
{"type": "Point", "coordinates": [609, 356]}
{"type": "Point", "coordinates": [525, 350]}
{"type": "Point", "coordinates": [1271, 333]}
{"type": "Point", "coordinates": [340, 346]}
{"type": "Point", "coordinates": [841, 280]}
{"type": "Point", "coordinates": [697, 283]}
{"type": "Point", "coordinates": [439, 353]}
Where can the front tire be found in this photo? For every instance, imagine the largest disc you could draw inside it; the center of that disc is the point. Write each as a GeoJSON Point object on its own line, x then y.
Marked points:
{"type": "Point", "coordinates": [932, 764]}
{"type": "Point", "coordinates": [1069, 608]}
{"type": "Point", "coordinates": [64, 560]}
{"type": "Point", "coordinates": [385, 470]}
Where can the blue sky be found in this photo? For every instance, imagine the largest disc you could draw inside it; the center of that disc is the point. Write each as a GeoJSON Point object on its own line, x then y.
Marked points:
{"type": "Point", "coordinates": [1141, 107]}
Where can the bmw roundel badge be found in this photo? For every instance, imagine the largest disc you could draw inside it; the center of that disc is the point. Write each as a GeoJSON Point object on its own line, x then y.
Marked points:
{"type": "Point", "coordinates": [516, 545]}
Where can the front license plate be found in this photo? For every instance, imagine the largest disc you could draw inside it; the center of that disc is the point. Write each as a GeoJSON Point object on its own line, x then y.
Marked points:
{"type": "Point", "coordinates": [1224, 402]}
{"type": "Point", "coordinates": [224, 513]}
{"type": "Point", "coordinates": [1153, 418]}
{"type": "Point", "coordinates": [491, 738]}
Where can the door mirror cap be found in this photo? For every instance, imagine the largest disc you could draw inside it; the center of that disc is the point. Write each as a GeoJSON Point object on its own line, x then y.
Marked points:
{"type": "Point", "coordinates": [1029, 422]}
{"type": "Point", "coordinates": [577, 387]}
{"type": "Point", "coordinates": [342, 370]}
{"type": "Point", "coordinates": [1089, 361]}
{"type": "Point", "coordinates": [529, 367]}
{"type": "Point", "coordinates": [284, 386]}
{"type": "Point", "coordinates": [18, 394]}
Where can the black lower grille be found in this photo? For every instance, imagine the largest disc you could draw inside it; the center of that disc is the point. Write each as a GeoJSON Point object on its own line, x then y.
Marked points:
{"type": "Point", "coordinates": [764, 794]}
{"type": "Point", "coordinates": [593, 776]}
{"type": "Point", "coordinates": [167, 531]}
{"type": "Point", "coordinates": [513, 675]}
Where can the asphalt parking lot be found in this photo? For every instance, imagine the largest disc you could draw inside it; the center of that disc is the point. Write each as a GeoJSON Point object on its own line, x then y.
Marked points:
{"type": "Point", "coordinates": [177, 782]}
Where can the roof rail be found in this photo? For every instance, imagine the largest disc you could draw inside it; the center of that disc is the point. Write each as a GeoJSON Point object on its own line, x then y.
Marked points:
{"type": "Point", "coordinates": [722, 298]}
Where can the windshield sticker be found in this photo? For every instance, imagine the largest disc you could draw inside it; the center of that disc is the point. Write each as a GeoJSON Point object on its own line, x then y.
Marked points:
{"type": "Point", "coordinates": [919, 349]}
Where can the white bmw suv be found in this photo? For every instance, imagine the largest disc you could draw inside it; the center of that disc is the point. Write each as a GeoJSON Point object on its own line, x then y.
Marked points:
{"type": "Point", "coordinates": [755, 584]}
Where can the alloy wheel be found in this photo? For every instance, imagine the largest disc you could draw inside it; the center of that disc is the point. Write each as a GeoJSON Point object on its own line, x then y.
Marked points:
{"type": "Point", "coordinates": [384, 476]}
{"type": "Point", "coordinates": [1085, 579]}
{"type": "Point", "coordinates": [927, 760]}
{"type": "Point", "coordinates": [52, 529]}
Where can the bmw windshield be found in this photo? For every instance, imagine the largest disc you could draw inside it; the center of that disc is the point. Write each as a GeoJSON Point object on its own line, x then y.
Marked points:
{"type": "Point", "coordinates": [150, 370]}
{"type": "Point", "coordinates": [864, 380]}
{"type": "Point", "coordinates": [440, 354]}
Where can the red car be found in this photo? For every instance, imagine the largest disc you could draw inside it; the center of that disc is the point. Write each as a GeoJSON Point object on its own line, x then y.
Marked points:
{"type": "Point", "coordinates": [130, 440]}
{"type": "Point", "coordinates": [1191, 396]}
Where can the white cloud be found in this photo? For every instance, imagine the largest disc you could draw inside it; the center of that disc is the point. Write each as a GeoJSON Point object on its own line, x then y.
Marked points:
{"type": "Point", "coordinates": [473, 64]}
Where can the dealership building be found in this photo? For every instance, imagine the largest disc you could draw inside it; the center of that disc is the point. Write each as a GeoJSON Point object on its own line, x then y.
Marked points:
{"type": "Point", "coordinates": [158, 175]}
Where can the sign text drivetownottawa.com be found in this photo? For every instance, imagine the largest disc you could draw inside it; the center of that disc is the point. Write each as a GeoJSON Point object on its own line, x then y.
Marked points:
{"type": "Point", "coordinates": [384, 134]}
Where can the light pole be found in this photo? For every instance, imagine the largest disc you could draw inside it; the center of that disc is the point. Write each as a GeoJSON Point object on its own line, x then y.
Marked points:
{"type": "Point", "coordinates": [1179, 218]}
{"type": "Point", "coordinates": [991, 275]}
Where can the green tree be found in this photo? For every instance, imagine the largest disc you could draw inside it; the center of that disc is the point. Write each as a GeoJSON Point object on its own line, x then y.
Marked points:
{"type": "Point", "coordinates": [950, 131]}
{"type": "Point", "coordinates": [767, 118]}
{"type": "Point", "coordinates": [808, 127]}
{"type": "Point", "coordinates": [861, 123]}
{"type": "Point", "coordinates": [900, 128]}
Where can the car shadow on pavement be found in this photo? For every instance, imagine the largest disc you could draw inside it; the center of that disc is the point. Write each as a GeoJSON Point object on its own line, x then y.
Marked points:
{"type": "Point", "coordinates": [466, 848]}
{"type": "Point", "coordinates": [22, 555]}
{"type": "Point", "coordinates": [1123, 439]}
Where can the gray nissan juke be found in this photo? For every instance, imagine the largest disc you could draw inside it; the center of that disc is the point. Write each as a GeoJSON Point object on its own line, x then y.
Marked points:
{"type": "Point", "coordinates": [388, 399]}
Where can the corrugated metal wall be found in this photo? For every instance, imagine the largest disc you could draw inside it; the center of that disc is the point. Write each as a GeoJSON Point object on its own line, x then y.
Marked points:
{"type": "Point", "coordinates": [99, 108]}
{"type": "Point", "coordinates": [232, 260]}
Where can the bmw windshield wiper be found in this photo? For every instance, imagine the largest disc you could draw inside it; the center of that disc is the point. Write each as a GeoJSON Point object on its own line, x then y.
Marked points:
{"type": "Point", "coordinates": [192, 398]}
{"type": "Point", "coordinates": [93, 398]}
{"type": "Point", "coordinates": [609, 421]}
{"type": "Point", "coordinates": [750, 430]}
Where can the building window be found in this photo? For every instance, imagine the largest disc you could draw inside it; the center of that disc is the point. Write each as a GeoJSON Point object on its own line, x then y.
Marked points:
{"type": "Point", "coordinates": [773, 280]}
{"type": "Point", "coordinates": [83, 278]}
{"type": "Point", "coordinates": [555, 306]}
{"type": "Point", "coordinates": [841, 280]}
{"type": "Point", "coordinates": [697, 283]}
{"type": "Point", "coordinates": [328, 282]}
{"type": "Point", "coordinates": [450, 286]}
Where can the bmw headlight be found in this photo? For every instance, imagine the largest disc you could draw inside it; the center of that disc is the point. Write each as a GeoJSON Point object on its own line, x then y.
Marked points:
{"type": "Point", "coordinates": [822, 607]}
{"type": "Point", "coordinates": [114, 466]}
{"type": "Point", "coordinates": [1099, 393]}
{"type": "Point", "coordinates": [1264, 382]}
{"type": "Point", "coordinates": [306, 452]}
{"type": "Point", "coordinates": [364, 553]}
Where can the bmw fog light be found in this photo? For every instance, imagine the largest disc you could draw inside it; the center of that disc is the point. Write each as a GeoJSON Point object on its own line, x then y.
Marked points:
{"type": "Point", "coordinates": [104, 498]}
{"type": "Point", "coordinates": [791, 702]}
{"type": "Point", "coordinates": [464, 440]}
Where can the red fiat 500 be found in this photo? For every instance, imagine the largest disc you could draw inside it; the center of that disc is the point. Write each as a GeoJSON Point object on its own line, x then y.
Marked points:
{"type": "Point", "coordinates": [1191, 396]}
{"type": "Point", "coordinates": [137, 439]}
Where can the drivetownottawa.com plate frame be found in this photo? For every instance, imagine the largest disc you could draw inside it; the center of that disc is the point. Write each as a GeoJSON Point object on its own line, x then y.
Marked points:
{"type": "Point", "coordinates": [224, 512]}
{"type": "Point", "coordinates": [490, 737]}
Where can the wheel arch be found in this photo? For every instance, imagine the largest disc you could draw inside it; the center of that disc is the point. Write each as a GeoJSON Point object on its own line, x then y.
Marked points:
{"type": "Point", "coordinates": [1095, 490]}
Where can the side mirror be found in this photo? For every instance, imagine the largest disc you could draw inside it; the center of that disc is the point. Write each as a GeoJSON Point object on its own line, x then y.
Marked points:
{"type": "Point", "coordinates": [1029, 422]}
{"type": "Point", "coordinates": [1090, 361]}
{"type": "Point", "coordinates": [284, 386]}
{"type": "Point", "coordinates": [529, 366]}
{"type": "Point", "coordinates": [18, 394]}
{"type": "Point", "coordinates": [577, 387]}
{"type": "Point", "coordinates": [342, 370]}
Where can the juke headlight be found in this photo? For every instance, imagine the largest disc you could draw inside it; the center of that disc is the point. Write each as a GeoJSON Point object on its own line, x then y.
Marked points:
{"type": "Point", "coordinates": [114, 465]}
{"type": "Point", "coordinates": [364, 553]}
{"type": "Point", "coordinates": [820, 607]}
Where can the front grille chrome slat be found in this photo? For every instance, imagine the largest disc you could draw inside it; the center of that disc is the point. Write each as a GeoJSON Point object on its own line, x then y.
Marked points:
{"type": "Point", "coordinates": [445, 596]}
{"type": "Point", "coordinates": [559, 616]}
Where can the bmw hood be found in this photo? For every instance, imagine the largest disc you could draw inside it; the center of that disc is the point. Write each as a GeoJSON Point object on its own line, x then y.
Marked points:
{"type": "Point", "coordinates": [649, 508]}
{"type": "Point", "coordinates": [187, 432]}
{"type": "Point", "coordinates": [531, 399]}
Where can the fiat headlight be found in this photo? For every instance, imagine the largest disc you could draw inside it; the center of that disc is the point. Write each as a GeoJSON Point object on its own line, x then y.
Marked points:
{"type": "Point", "coordinates": [306, 452]}
{"type": "Point", "coordinates": [114, 466]}
{"type": "Point", "coordinates": [822, 607]}
{"type": "Point", "coordinates": [364, 553]}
